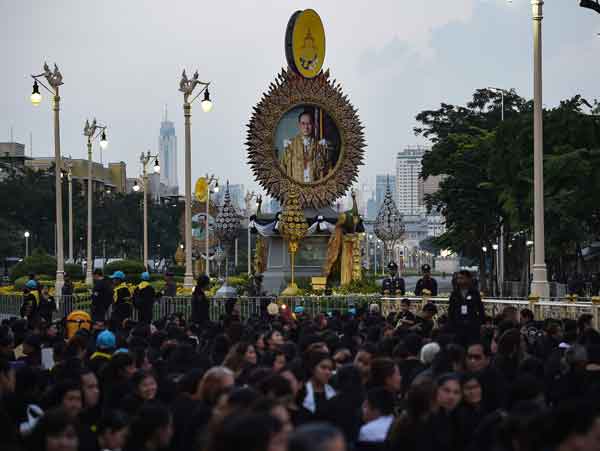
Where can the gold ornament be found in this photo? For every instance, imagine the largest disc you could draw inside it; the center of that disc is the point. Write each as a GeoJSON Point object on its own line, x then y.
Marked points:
{"type": "Point", "coordinates": [293, 229]}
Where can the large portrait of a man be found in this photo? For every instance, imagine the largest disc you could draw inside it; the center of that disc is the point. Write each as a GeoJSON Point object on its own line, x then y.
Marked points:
{"type": "Point", "coordinates": [307, 142]}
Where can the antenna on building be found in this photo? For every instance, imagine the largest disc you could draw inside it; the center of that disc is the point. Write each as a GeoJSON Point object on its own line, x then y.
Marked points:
{"type": "Point", "coordinates": [11, 134]}
{"type": "Point", "coordinates": [166, 112]}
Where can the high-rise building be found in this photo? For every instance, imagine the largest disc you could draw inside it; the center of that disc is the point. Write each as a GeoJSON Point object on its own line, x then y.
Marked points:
{"type": "Point", "coordinates": [381, 182]}
{"type": "Point", "coordinates": [409, 185]}
{"type": "Point", "coordinates": [167, 148]}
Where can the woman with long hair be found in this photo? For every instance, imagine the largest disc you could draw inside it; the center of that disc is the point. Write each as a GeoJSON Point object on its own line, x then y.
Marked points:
{"type": "Point", "coordinates": [410, 431]}
{"type": "Point", "coordinates": [144, 388]}
{"type": "Point", "coordinates": [240, 356]}
{"type": "Point", "coordinates": [317, 390]}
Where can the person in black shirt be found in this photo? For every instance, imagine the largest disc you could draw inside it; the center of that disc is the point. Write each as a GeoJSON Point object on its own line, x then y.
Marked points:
{"type": "Point", "coordinates": [200, 305]}
{"type": "Point", "coordinates": [393, 285]}
{"type": "Point", "coordinates": [101, 296]}
{"type": "Point", "coordinates": [426, 282]}
{"type": "Point", "coordinates": [405, 318]}
{"type": "Point", "coordinates": [144, 297]}
{"type": "Point", "coordinates": [424, 321]}
{"type": "Point", "coordinates": [465, 310]}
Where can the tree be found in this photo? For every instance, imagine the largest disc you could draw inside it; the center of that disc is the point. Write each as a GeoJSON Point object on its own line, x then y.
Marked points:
{"type": "Point", "coordinates": [488, 166]}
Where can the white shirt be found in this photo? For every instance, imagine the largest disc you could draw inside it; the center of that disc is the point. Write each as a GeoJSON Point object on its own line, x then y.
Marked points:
{"type": "Point", "coordinates": [376, 430]}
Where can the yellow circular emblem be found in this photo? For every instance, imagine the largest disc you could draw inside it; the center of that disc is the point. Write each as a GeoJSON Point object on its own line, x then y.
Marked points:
{"type": "Point", "coordinates": [308, 43]}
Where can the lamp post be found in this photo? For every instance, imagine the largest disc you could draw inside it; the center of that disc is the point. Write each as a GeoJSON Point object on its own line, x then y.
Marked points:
{"type": "Point", "coordinates": [539, 284]}
{"type": "Point", "coordinates": [144, 160]}
{"type": "Point", "coordinates": [248, 199]}
{"type": "Point", "coordinates": [186, 86]}
{"type": "Point", "coordinates": [54, 79]}
{"type": "Point", "coordinates": [496, 262]}
{"type": "Point", "coordinates": [500, 268]}
{"type": "Point", "coordinates": [26, 235]}
{"type": "Point", "coordinates": [91, 131]}
{"type": "Point", "coordinates": [69, 168]}
{"type": "Point", "coordinates": [211, 181]}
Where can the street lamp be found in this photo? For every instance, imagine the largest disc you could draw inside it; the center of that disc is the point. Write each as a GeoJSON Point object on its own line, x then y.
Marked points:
{"type": "Point", "coordinates": [26, 235]}
{"type": "Point", "coordinates": [211, 181]}
{"type": "Point", "coordinates": [187, 86]}
{"type": "Point", "coordinates": [91, 131]}
{"type": "Point", "coordinates": [539, 284]}
{"type": "Point", "coordinates": [69, 168]}
{"type": "Point", "coordinates": [145, 159]}
{"type": "Point", "coordinates": [54, 79]}
{"type": "Point", "coordinates": [248, 199]}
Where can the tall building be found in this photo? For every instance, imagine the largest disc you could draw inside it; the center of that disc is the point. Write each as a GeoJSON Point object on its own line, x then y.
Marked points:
{"type": "Point", "coordinates": [167, 148]}
{"type": "Point", "coordinates": [409, 185]}
{"type": "Point", "coordinates": [381, 185]}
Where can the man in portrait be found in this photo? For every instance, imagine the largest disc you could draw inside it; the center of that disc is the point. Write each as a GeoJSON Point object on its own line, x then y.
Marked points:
{"type": "Point", "coordinates": [304, 159]}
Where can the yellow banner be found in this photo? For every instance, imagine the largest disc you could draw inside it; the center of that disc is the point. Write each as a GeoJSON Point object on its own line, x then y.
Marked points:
{"type": "Point", "coordinates": [201, 189]}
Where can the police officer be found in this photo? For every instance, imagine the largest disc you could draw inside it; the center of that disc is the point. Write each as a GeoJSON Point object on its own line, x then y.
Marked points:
{"type": "Point", "coordinates": [426, 282]}
{"type": "Point", "coordinates": [121, 300]}
{"type": "Point", "coordinates": [393, 285]}
{"type": "Point", "coordinates": [144, 297]}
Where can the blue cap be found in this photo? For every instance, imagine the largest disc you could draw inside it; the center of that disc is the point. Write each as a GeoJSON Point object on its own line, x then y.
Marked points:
{"type": "Point", "coordinates": [31, 284]}
{"type": "Point", "coordinates": [145, 275]}
{"type": "Point", "coordinates": [118, 275]}
{"type": "Point", "coordinates": [352, 311]}
{"type": "Point", "coordinates": [106, 340]}
{"type": "Point", "coordinates": [121, 351]}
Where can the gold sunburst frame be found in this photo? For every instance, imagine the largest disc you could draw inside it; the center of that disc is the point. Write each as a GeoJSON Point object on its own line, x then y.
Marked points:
{"type": "Point", "coordinates": [288, 91]}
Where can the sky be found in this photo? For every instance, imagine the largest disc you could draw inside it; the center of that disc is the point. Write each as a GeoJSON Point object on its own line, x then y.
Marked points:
{"type": "Point", "coordinates": [122, 60]}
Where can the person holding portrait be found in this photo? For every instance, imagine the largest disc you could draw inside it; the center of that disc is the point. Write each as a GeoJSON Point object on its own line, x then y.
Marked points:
{"type": "Point", "coordinates": [304, 159]}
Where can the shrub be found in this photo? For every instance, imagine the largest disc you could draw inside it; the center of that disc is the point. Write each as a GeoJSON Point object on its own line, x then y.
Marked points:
{"type": "Point", "coordinates": [38, 263]}
{"type": "Point", "coordinates": [131, 268]}
{"type": "Point", "coordinates": [44, 279]}
{"type": "Point", "coordinates": [74, 271]}
{"type": "Point", "coordinates": [177, 270]}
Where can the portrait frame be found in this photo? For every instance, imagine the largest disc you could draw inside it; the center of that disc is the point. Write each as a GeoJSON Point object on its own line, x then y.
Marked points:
{"type": "Point", "coordinates": [290, 90]}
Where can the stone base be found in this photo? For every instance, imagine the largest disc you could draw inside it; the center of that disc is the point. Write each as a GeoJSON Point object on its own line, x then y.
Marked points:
{"type": "Point", "coordinates": [309, 262]}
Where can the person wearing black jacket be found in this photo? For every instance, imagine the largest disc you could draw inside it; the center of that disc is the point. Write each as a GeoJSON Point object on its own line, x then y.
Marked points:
{"type": "Point", "coordinates": [426, 282]}
{"type": "Point", "coordinates": [465, 310]}
{"type": "Point", "coordinates": [200, 305]}
{"type": "Point", "coordinates": [101, 296]}
{"type": "Point", "coordinates": [144, 297]}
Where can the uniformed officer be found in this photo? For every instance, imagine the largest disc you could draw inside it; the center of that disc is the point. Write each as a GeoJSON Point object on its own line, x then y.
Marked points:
{"type": "Point", "coordinates": [393, 285]}
{"type": "Point", "coordinates": [121, 300]}
{"type": "Point", "coordinates": [144, 297]}
{"type": "Point", "coordinates": [426, 282]}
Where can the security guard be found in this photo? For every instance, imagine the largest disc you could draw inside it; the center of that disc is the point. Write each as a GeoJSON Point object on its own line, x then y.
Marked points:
{"type": "Point", "coordinates": [393, 285]}
{"type": "Point", "coordinates": [426, 282]}
{"type": "Point", "coordinates": [31, 301]}
{"type": "Point", "coordinates": [121, 309]}
{"type": "Point", "coordinates": [144, 297]}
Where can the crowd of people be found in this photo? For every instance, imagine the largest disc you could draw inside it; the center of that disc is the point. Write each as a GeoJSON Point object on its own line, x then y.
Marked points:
{"type": "Point", "coordinates": [414, 379]}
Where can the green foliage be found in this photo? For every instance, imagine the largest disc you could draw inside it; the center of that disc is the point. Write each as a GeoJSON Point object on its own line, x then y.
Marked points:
{"type": "Point", "coordinates": [178, 270]}
{"type": "Point", "coordinates": [131, 268]}
{"type": "Point", "coordinates": [488, 169]}
{"type": "Point", "coordinates": [45, 279]}
{"type": "Point", "coordinates": [38, 263]}
{"type": "Point", "coordinates": [75, 271]}
{"type": "Point", "coordinates": [367, 285]}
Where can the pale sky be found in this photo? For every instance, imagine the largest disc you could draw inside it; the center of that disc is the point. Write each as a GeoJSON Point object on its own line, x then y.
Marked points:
{"type": "Point", "coordinates": [122, 60]}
